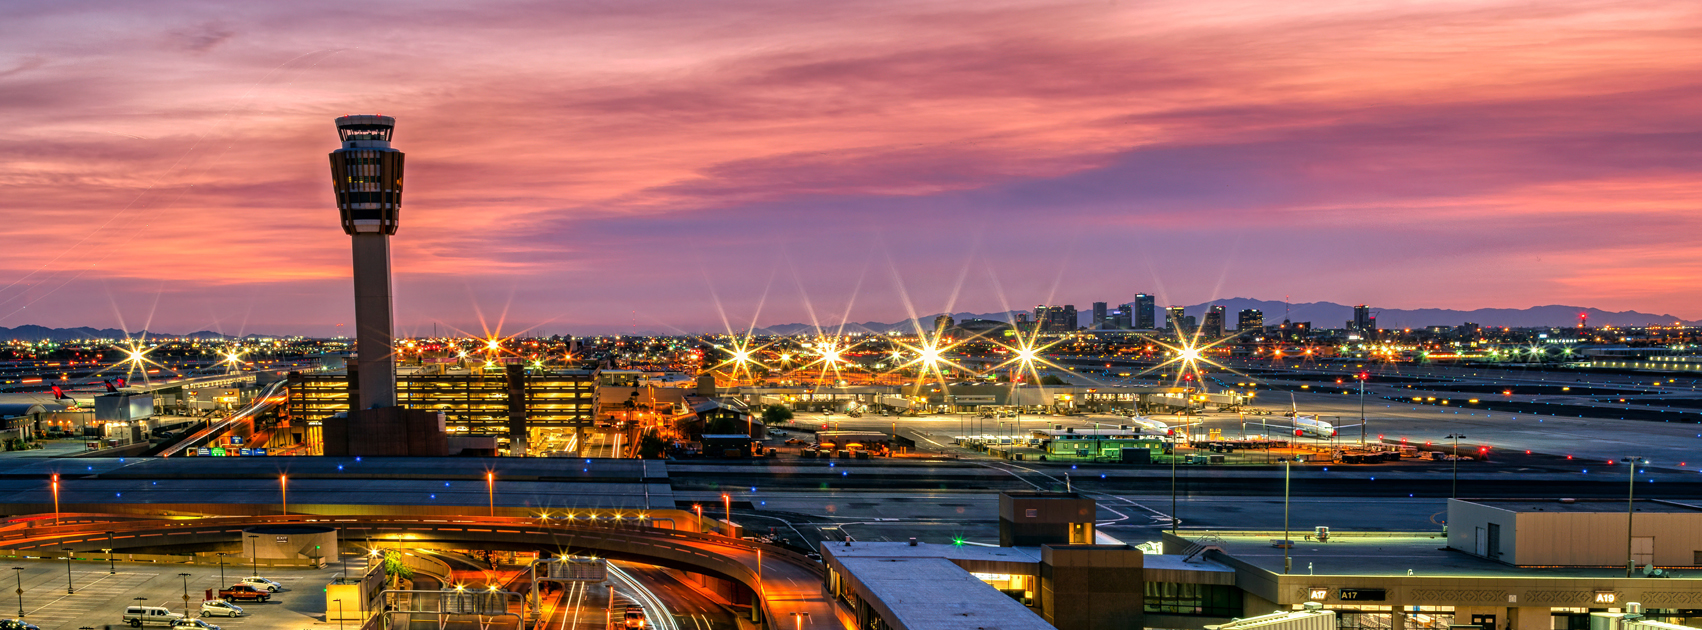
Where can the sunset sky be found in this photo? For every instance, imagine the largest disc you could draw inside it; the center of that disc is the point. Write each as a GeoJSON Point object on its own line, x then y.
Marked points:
{"type": "Point", "coordinates": [592, 167]}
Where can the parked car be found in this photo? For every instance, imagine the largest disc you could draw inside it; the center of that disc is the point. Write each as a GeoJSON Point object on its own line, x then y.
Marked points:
{"type": "Point", "coordinates": [245, 592]}
{"type": "Point", "coordinates": [193, 624]}
{"type": "Point", "coordinates": [220, 608]}
{"type": "Point", "coordinates": [138, 616]}
{"type": "Point", "coordinates": [263, 583]}
{"type": "Point", "coordinates": [17, 624]}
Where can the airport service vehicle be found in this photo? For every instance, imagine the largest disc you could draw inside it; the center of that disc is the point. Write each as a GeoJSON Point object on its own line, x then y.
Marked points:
{"type": "Point", "coordinates": [220, 608]}
{"type": "Point", "coordinates": [245, 592]}
{"type": "Point", "coordinates": [138, 616]}
{"type": "Point", "coordinates": [260, 582]}
{"type": "Point", "coordinates": [192, 624]}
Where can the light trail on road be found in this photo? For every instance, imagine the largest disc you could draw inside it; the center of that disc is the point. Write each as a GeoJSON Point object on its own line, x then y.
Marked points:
{"type": "Point", "coordinates": [654, 609]}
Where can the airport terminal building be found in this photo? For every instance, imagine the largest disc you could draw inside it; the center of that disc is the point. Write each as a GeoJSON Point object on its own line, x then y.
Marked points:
{"type": "Point", "coordinates": [1502, 565]}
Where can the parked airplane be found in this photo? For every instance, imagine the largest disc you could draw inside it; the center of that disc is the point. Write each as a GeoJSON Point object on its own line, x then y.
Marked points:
{"type": "Point", "coordinates": [1307, 425]}
{"type": "Point", "coordinates": [1156, 427]}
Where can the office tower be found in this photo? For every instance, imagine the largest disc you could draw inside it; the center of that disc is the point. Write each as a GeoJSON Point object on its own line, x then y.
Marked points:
{"type": "Point", "coordinates": [1099, 312]}
{"type": "Point", "coordinates": [1056, 318]}
{"type": "Point", "coordinates": [1173, 319]}
{"type": "Point", "coordinates": [366, 175]}
{"type": "Point", "coordinates": [1249, 319]}
{"type": "Point", "coordinates": [1362, 320]}
{"type": "Point", "coordinates": [943, 323]}
{"type": "Point", "coordinates": [1213, 327]}
{"type": "Point", "coordinates": [1145, 318]}
{"type": "Point", "coordinates": [1124, 317]}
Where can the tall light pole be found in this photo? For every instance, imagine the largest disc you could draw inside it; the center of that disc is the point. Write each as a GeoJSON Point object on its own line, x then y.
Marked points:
{"type": "Point", "coordinates": [1456, 438]}
{"type": "Point", "coordinates": [1286, 542]}
{"type": "Point", "coordinates": [1173, 455]}
{"type": "Point", "coordinates": [68, 589]}
{"type": "Point", "coordinates": [254, 554]}
{"type": "Point", "coordinates": [55, 498]}
{"type": "Point", "coordinates": [1630, 508]}
{"type": "Point", "coordinates": [727, 502]}
{"type": "Point", "coordinates": [1363, 376]}
{"type": "Point", "coordinates": [222, 555]}
{"type": "Point", "coordinates": [339, 613]}
{"type": "Point", "coordinates": [185, 577]}
{"type": "Point", "coordinates": [490, 488]}
{"type": "Point", "coordinates": [20, 573]}
{"type": "Point", "coordinates": [111, 569]}
{"type": "Point", "coordinates": [284, 491]}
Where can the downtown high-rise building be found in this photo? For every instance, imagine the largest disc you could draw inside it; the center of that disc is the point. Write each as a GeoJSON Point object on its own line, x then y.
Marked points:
{"type": "Point", "coordinates": [1249, 319]}
{"type": "Point", "coordinates": [1055, 318]}
{"type": "Point", "coordinates": [1099, 314]}
{"type": "Point", "coordinates": [1212, 327]}
{"type": "Point", "coordinates": [1144, 312]}
{"type": "Point", "coordinates": [1175, 320]}
{"type": "Point", "coordinates": [1123, 318]}
{"type": "Point", "coordinates": [1363, 322]}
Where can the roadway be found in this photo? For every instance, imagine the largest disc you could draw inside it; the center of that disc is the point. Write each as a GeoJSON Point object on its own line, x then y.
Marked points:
{"type": "Point", "coordinates": [791, 583]}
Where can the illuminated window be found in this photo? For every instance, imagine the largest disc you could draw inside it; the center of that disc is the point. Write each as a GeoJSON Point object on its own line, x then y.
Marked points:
{"type": "Point", "coordinates": [1205, 600]}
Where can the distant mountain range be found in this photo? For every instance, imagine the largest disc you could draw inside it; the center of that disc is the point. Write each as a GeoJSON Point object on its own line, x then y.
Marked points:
{"type": "Point", "coordinates": [1321, 314]}
{"type": "Point", "coordinates": [31, 332]}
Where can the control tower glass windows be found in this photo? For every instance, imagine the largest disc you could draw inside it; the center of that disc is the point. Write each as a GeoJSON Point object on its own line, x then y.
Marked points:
{"type": "Point", "coordinates": [352, 133]}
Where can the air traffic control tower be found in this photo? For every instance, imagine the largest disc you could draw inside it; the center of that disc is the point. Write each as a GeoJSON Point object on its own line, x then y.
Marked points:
{"type": "Point", "coordinates": [367, 177]}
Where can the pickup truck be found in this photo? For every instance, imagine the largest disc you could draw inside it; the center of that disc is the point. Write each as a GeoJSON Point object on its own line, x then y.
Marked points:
{"type": "Point", "coordinates": [138, 616]}
{"type": "Point", "coordinates": [245, 592]}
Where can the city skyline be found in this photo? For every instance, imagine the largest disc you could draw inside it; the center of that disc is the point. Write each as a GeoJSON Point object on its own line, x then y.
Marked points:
{"type": "Point", "coordinates": [647, 169]}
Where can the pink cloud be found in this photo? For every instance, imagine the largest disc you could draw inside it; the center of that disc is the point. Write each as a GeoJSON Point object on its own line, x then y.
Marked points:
{"type": "Point", "coordinates": [555, 142]}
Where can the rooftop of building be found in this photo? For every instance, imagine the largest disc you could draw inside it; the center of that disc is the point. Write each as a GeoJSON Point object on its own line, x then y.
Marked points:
{"type": "Point", "coordinates": [1382, 554]}
{"type": "Point", "coordinates": [936, 594]}
{"type": "Point", "coordinates": [1584, 505]}
{"type": "Point", "coordinates": [982, 553]}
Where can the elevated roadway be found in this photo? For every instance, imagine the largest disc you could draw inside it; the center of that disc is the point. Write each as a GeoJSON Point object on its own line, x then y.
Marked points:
{"type": "Point", "coordinates": [267, 400]}
{"type": "Point", "coordinates": [785, 582]}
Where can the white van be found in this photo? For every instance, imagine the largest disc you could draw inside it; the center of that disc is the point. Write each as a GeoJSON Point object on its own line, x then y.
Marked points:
{"type": "Point", "coordinates": [138, 616]}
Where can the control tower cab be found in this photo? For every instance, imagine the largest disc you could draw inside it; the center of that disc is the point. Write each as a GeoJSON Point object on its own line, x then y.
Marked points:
{"type": "Point", "coordinates": [367, 175]}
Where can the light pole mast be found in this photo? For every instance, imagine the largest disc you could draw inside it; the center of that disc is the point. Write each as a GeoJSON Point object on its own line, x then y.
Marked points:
{"type": "Point", "coordinates": [1630, 511]}
{"type": "Point", "coordinates": [366, 175]}
{"type": "Point", "coordinates": [1363, 376]}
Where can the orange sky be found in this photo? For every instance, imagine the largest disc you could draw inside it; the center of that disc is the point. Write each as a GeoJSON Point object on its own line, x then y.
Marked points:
{"type": "Point", "coordinates": [585, 167]}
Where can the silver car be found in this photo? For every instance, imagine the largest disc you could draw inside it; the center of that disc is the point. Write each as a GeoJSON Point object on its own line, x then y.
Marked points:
{"type": "Point", "coordinates": [220, 608]}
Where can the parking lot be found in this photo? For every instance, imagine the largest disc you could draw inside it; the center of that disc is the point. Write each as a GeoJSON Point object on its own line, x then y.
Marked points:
{"type": "Point", "coordinates": [100, 596]}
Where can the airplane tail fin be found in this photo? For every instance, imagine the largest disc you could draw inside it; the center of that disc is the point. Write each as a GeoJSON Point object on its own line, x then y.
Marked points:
{"type": "Point", "coordinates": [59, 394]}
{"type": "Point", "coordinates": [109, 386]}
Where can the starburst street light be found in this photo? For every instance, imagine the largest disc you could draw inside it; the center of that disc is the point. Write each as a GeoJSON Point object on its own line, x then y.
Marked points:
{"type": "Point", "coordinates": [830, 356]}
{"type": "Point", "coordinates": [930, 358]}
{"type": "Point", "coordinates": [1027, 355]}
{"type": "Point", "coordinates": [136, 359]}
{"type": "Point", "coordinates": [1189, 354]}
{"type": "Point", "coordinates": [233, 360]}
{"type": "Point", "coordinates": [742, 356]}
